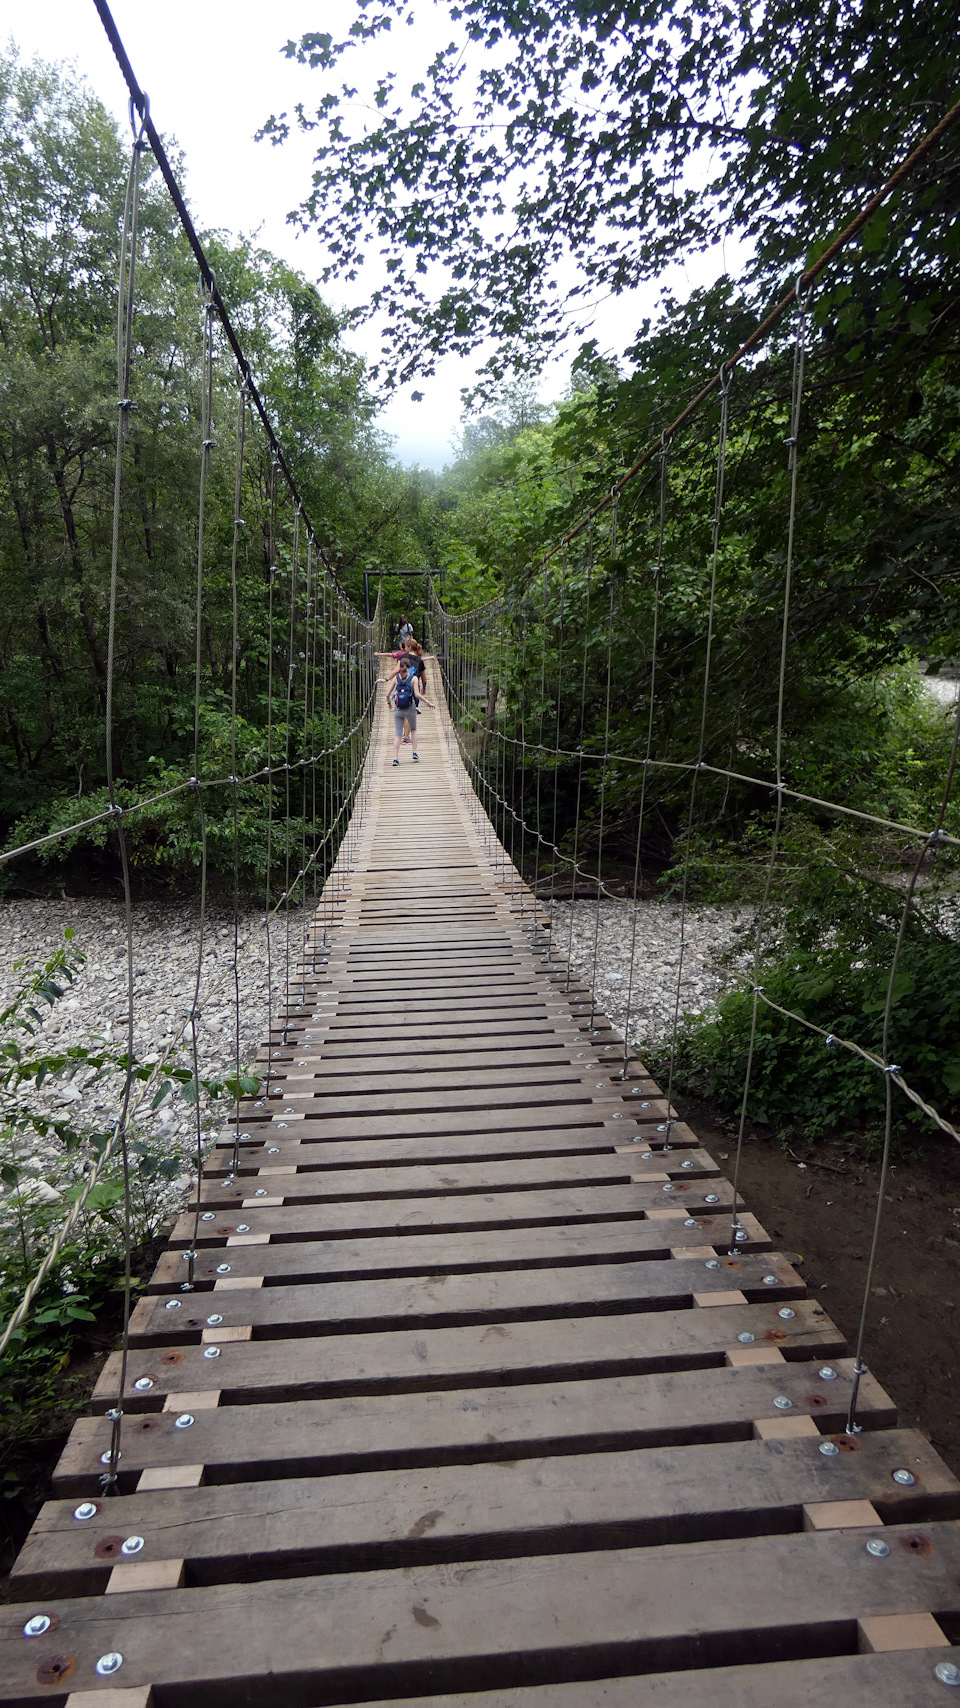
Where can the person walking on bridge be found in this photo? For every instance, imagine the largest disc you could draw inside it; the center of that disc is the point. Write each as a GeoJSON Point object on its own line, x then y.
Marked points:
{"type": "Point", "coordinates": [405, 698]}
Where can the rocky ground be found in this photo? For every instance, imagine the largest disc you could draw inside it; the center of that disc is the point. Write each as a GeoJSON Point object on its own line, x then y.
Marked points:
{"type": "Point", "coordinates": [94, 1009]}
{"type": "Point", "coordinates": [601, 954]}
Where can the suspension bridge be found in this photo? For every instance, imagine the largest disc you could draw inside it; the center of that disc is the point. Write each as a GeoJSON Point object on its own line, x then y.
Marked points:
{"type": "Point", "coordinates": [471, 1401]}
{"type": "Point", "coordinates": [467, 1377]}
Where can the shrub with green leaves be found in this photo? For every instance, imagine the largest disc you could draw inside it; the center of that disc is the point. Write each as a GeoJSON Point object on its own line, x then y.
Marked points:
{"type": "Point", "coordinates": [829, 951]}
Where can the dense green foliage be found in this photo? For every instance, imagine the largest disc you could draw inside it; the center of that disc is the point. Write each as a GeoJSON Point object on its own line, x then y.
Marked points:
{"type": "Point", "coordinates": [63, 172]}
{"type": "Point", "coordinates": [623, 138]}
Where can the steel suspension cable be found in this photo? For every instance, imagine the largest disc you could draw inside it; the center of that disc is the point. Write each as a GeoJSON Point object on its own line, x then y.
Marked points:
{"type": "Point", "coordinates": [702, 740]}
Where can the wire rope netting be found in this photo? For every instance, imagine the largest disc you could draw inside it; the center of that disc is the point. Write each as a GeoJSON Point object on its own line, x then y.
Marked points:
{"type": "Point", "coordinates": [608, 711]}
{"type": "Point", "coordinates": [284, 684]}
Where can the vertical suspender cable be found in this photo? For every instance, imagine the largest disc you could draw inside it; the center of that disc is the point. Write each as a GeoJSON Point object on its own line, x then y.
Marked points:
{"type": "Point", "coordinates": [125, 311]}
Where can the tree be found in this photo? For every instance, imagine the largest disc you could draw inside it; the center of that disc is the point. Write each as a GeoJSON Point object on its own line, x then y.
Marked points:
{"type": "Point", "coordinates": [62, 179]}
{"type": "Point", "coordinates": [625, 137]}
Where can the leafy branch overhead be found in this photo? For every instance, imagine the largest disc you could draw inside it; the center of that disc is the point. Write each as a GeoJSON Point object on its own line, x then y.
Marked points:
{"type": "Point", "coordinates": [619, 139]}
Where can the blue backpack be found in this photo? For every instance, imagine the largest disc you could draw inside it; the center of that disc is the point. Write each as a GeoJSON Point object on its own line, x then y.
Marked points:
{"type": "Point", "coordinates": [403, 694]}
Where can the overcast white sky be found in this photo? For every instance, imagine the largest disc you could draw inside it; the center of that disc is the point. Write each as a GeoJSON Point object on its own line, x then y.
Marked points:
{"type": "Point", "coordinates": [214, 70]}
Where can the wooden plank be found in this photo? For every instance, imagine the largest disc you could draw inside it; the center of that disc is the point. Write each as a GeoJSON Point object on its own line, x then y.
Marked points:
{"type": "Point", "coordinates": [465, 1426]}
{"type": "Point", "coordinates": [472, 1210]}
{"type": "Point", "coordinates": [562, 1504]}
{"type": "Point", "coordinates": [306, 1152]}
{"type": "Point", "coordinates": [431, 1179]}
{"type": "Point", "coordinates": [519, 1351]}
{"type": "Point", "coordinates": [905, 1680]}
{"type": "Point", "coordinates": [434, 1301]}
{"type": "Point", "coordinates": [491, 1121]}
{"type": "Point", "coordinates": [497, 1623]}
{"type": "Point", "coordinates": [442, 1254]}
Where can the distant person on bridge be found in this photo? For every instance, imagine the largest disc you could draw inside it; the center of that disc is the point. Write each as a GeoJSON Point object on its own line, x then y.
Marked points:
{"type": "Point", "coordinates": [405, 698]}
{"type": "Point", "coordinates": [404, 631]}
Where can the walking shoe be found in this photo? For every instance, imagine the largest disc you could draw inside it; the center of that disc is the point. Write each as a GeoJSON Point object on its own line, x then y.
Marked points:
{"type": "Point", "coordinates": [416, 756]}
{"type": "Point", "coordinates": [396, 762]}
{"type": "Point", "coordinates": [405, 742]}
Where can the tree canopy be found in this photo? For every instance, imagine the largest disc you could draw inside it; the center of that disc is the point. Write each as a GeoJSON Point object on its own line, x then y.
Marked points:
{"type": "Point", "coordinates": [622, 138]}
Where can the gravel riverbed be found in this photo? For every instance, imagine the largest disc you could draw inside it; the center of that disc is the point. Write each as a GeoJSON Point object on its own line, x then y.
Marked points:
{"type": "Point", "coordinates": [600, 951]}
{"type": "Point", "coordinates": [94, 1010]}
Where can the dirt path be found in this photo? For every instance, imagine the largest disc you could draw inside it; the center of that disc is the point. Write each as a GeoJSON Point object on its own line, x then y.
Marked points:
{"type": "Point", "coordinates": [826, 1217]}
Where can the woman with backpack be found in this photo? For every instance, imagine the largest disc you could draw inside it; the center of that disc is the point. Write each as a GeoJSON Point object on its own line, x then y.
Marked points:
{"type": "Point", "coordinates": [405, 698]}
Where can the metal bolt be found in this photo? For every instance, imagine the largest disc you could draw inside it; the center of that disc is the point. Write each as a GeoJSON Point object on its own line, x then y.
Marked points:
{"type": "Point", "coordinates": [786, 1313]}
{"type": "Point", "coordinates": [282, 1124]}
{"type": "Point", "coordinates": [713, 1263]}
{"type": "Point", "coordinates": [878, 1548]}
{"type": "Point", "coordinates": [132, 1545]}
{"type": "Point", "coordinates": [711, 1198]}
{"type": "Point", "coordinates": [906, 1479]}
{"type": "Point", "coordinates": [213, 1321]}
{"type": "Point", "coordinates": [741, 1234]}
{"type": "Point", "coordinates": [108, 1664]}
{"type": "Point", "coordinates": [211, 1352]}
{"type": "Point", "coordinates": [646, 1156]}
{"type": "Point", "coordinates": [599, 1083]}
{"type": "Point", "coordinates": [826, 1374]}
{"type": "Point", "coordinates": [770, 1280]}
{"type": "Point", "coordinates": [829, 1449]}
{"type": "Point", "coordinates": [208, 1216]}
{"type": "Point", "coordinates": [644, 1105]}
{"type": "Point", "coordinates": [745, 1339]}
{"type": "Point", "coordinates": [686, 1165]}
{"type": "Point", "coordinates": [782, 1403]}
{"type": "Point", "coordinates": [114, 1414]}
{"type": "Point", "coordinates": [142, 1383]}
{"type": "Point", "coordinates": [668, 1188]}
{"type": "Point", "coordinates": [185, 1420]}
{"type": "Point", "coordinates": [662, 1128]}
{"type": "Point", "coordinates": [106, 1458]}
{"type": "Point", "coordinates": [173, 1305]}
{"type": "Point", "coordinates": [690, 1222]}
{"type": "Point", "coordinates": [243, 1227]}
{"type": "Point", "coordinates": [617, 1115]}
{"type": "Point", "coordinates": [86, 1509]}
{"type": "Point", "coordinates": [223, 1268]}
{"type": "Point", "coordinates": [947, 1673]}
{"type": "Point", "coordinates": [36, 1626]}
{"type": "Point", "coordinates": [273, 1150]}
{"type": "Point", "coordinates": [289, 1111]}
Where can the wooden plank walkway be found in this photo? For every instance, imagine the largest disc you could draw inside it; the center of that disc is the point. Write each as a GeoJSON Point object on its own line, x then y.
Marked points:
{"type": "Point", "coordinates": [471, 1406]}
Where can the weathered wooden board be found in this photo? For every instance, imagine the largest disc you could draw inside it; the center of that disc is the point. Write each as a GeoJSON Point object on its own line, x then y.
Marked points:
{"type": "Point", "coordinates": [564, 1503]}
{"type": "Point", "coordinates": [483, 1249]}
{"type": "Point", "coordinates": [517, 1351]}
{"type": "Point", "coordinates": [442, 1300]}
{"type": "Point", "coordinates": [496, 1622]}
{"type": "Point", "coordinates": [430, 1179]}
{"type": "Point", "coordinates": [472, 1210]}
{"type": "Point", "coordinates": [475, 1425]}
{"type": "Point", "coordinates": [904, 1680]}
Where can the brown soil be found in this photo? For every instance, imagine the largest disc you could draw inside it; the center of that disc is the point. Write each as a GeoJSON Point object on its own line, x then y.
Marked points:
{"type": "Point", "coordinates": [818, 1203]}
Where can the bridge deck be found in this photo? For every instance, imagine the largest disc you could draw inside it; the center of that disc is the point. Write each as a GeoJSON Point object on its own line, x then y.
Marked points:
{"type": "Point", "coordinates": [471, 1405]}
